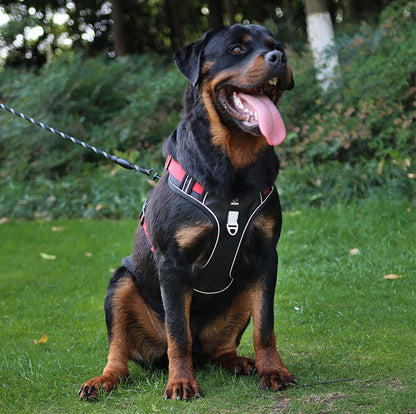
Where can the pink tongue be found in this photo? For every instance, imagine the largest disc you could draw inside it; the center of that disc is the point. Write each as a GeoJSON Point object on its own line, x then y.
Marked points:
{"type": "Point", "coordinates": [270, 121]}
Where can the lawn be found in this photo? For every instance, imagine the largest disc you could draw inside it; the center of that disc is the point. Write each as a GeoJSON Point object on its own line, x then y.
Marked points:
{"type": "Point", "coordinates": [345, 309]}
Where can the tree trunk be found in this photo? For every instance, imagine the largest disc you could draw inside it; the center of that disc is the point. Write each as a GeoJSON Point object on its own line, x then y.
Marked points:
{"type": "Point", "coordinates": [120, 45]}
{"type": "Point", "coordinates": [173, 8]}
{"type": "Point", "coordinates": [350, 10]}
{"type": "Point", "coordinates": [215, 12]}
{"type": "Point", "coordinates": [321, 40]}
{"type": "Point", "coordinates": [229, 6]}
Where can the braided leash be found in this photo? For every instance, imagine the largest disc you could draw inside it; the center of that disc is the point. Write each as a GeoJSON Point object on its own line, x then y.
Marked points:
{"type": "Point", "coordinates": [328, 382]}
{"type": "Point", "coordinates": [151, 173]}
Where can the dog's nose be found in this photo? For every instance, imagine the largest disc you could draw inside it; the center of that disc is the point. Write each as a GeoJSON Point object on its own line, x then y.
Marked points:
{"type": "Point", "coordinates": [275, 57]}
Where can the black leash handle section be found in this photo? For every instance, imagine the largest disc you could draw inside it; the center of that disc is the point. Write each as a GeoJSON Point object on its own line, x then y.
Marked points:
{"type": "Point", "coordinates": [328, 382]}
{"type": "Point", "coordinates": [151, 173]}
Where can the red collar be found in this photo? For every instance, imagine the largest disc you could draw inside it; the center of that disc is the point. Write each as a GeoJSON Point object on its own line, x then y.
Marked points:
{"type": "Point", "coordinates": [176, 170]}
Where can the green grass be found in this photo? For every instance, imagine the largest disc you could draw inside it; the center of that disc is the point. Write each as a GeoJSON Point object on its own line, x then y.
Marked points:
{"type": "Point", "coordinates": [337, 317]}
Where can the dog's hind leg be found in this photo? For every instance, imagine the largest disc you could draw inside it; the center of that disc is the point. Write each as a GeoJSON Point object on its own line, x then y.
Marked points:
{"type": "Point", "coordinates": [134, 330]}
{"type": "Point", "coordinates": [220, 339]}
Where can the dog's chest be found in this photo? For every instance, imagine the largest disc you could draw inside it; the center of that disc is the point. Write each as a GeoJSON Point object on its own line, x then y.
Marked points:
{"type": "Point", "coordinates": [231, 221]}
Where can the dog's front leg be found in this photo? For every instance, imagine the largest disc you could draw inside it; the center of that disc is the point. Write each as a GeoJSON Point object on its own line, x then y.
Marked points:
{"type": "Point", "coordinates": [272, 372]}
{"type": "Point", "coordinates": [177, 296]}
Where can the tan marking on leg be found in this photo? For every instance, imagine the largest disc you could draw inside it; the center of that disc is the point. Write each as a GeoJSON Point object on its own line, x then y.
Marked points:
{"type": "Point", "coordinates": [272, 372]}
{"type": "Point", "coordinates": [138, 325]}
{"type": "Point", "coordinates": [219, 339]}
{"type": "Point", "coordinates": [181, 382]}
{"type": "Point", "coordinates": [137, 333]}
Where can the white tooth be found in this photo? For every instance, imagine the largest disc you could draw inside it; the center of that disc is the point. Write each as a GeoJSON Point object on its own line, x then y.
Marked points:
{"type": "Point", "coordinates": [238, 103]}
{"type": "Point", "coordinates": [273, 81]}
{"type": "Point", "coordinates": [256, 116]}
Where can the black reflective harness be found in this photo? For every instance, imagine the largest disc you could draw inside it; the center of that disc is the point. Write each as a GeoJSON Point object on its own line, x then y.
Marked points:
{"type": "Point", "coordinates": [231, 220]}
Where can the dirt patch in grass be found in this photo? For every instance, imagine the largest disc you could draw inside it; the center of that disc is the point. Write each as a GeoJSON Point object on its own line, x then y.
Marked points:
{"type": "Point", "coordinates": [325, 400]}
{"type": "Point", "coordinates": [396, 384]}
{"type": "Point", "coordinates": [281, 404]}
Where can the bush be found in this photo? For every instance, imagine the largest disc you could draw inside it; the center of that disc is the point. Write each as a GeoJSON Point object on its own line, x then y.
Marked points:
{"type": "Point", "coordinates": [356, 140]}
{"type": "Point", "coordinates": [95, 193]}
{"type": "Point", "coordinates": [113, 105]}
{"type": "Point", "coordinates": [371, 113]}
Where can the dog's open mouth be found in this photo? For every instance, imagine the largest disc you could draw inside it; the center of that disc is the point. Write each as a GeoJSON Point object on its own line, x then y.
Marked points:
{"type": "Point", "coordinates": [254, 109]}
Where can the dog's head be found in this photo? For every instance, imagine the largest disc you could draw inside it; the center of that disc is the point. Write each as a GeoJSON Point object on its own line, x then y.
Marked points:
{"type": "Point", "coordinates": [241, 72]}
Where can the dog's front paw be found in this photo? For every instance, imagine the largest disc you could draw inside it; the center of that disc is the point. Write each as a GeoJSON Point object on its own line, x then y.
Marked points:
{"type": "Point", "coordinates": [276, 380]}
{"type": "Point", "coordinates": [90, 389]}
{"type": "Point", "coordinates": [182, 390]}
{"type": "Point", "coordinates": [237, 365]}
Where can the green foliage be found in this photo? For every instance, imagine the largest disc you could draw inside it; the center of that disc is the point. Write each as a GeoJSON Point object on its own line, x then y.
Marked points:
{"type": "Point", "coordinates": [332, 182]}
{"type": "Point", "coordinates": [371, 112]}
{"type": "Point", "coordinates": [105, 193]}
{"type": "Point", "coordinates": [356, 140]}
{"type": "Point", "coordinates": [110, 104]}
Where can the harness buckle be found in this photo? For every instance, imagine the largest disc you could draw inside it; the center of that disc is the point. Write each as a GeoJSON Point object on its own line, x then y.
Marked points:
{"type": "Point", "coordinates": [232, 222]}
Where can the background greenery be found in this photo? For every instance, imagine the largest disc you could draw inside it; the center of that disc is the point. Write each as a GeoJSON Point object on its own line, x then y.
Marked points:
{"type": "Point", "coordinates": [354, 141]}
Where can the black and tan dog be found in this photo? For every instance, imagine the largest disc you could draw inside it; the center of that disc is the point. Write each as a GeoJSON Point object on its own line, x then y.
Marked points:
{"type": "Point", "coordinates": [204, 258]}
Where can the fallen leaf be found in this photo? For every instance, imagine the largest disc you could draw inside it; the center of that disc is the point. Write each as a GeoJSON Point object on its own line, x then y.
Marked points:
{"type": "Point", "coordinates": [47, 256]}
{"type": "Point", "coordinates": [88, 254]}
{"type": "Point", "coordinates": [354, 251]}
{"type": "Point", "coordinates": [57, 228]}
{"type": "Point", "coordinates": [42, 340]}
{"type": "Point", "coordinates": [392, 276]}
{"type": "Point", "coordinates": [4, 220]}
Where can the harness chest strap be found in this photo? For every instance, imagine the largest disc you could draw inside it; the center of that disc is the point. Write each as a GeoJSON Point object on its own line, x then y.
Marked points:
{"type": "Point", "coordinates": [230, 219]}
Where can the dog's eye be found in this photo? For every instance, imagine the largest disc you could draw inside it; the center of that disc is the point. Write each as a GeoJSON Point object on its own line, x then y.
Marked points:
{"type": "Point", "coordinates": [237, 49]}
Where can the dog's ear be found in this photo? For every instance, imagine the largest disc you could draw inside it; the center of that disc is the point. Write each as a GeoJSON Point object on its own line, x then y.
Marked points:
{"type": "Point", "coordinates": [189, 58]}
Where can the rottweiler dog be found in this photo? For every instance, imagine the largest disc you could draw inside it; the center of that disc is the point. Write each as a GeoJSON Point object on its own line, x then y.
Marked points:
{"type": "Point", "coordinates": [204, 258]}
